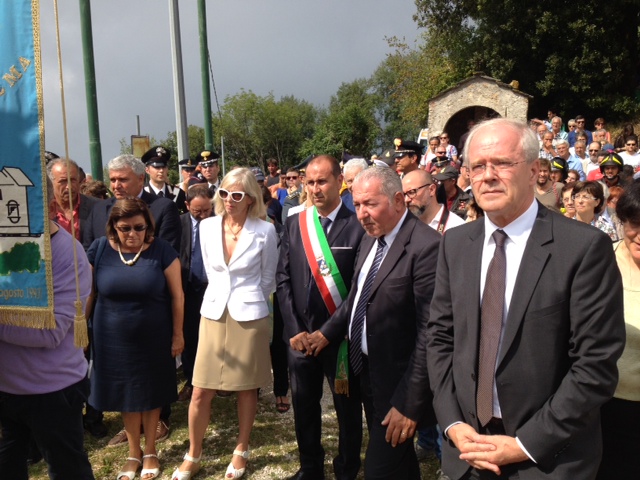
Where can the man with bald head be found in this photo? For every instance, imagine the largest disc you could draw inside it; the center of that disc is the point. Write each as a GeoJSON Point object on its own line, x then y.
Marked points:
{"type": "Point", "coordinates": [521, 352]}
{"type": "Point", "coordinates": [420, 196]}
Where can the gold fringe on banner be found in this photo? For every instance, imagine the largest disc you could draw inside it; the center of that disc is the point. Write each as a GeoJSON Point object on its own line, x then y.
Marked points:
{"type": "Point", "coordinates": [29, 317]}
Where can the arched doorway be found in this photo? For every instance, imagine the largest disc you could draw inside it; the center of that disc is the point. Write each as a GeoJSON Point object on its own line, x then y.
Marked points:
{"type": "Point", "coordinates": [457, 125]}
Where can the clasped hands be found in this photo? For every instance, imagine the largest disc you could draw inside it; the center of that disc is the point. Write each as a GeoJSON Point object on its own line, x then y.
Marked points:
{"type": "Point", "coordinates": [485, 452]}
{"type": "Point", "coordinates": [309, 343]}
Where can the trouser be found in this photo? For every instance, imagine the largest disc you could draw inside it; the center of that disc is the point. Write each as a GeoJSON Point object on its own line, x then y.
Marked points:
{"type": "Point", "coordinates": [307, 377]}
{"type": "Point", "coordinates": [278, 350]}
{"type": "Point", "coordinates": [382, 461]}
{"type": "Point", "coordinates": [54, 421]}
{"type": "Point", "coordinates": [192, 303]}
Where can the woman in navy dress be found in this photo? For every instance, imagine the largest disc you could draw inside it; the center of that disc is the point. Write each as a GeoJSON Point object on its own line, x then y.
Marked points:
{"type": "Point", "coordinates": [137, 328]}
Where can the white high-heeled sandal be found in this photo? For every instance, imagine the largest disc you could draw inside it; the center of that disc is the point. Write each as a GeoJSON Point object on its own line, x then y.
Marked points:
{"type": "Point", "coordinates": [154, 472]}
{"type": "Point", "coordinates": [131, 474]}
{"type": "Point", "coordinates": [233, 472]}
{"type": "Point", "coordinates": [186, 475]}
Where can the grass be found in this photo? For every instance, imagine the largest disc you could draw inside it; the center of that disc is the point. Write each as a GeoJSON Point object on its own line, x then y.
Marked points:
{"type": "Point", "coordinates": [274, 453]}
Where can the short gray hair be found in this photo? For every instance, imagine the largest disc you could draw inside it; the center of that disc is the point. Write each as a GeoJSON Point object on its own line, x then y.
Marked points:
{"type": "Point", "coordinates": [389, 180]}
{"type": "Point", "coordinates": [528, 139]}
{"type": "Point", "coordinates": [355, 164]}
{"type": "Point", "coordinates": [562, 142]}
{"type": "Point", "coordinates": [60, 161]}
{"type": "Point", "coordinates": [127, 161]}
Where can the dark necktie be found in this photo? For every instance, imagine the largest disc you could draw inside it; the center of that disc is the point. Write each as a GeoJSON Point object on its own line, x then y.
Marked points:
{"type": "Point", "coordinates": [161, 193]}
{"type": "Point", "coordinates": [492, 311]}
{"type": "Point", "coordinates": [357, 326]}
{"type": "Point", "coordinates": [197, 273]}
{"type": "Point", "coordinates": [325, 222]}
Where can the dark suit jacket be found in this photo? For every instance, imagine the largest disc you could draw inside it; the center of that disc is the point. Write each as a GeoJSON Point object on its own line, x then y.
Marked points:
{"type": "Point", "coordinates": [164, 211]}
{"type": "Point", "coordinates": [302, 307]}
{"type": "Point", "coordinates": [173, 193]}
{"type": "Point", "coordinates": [84, 210]}
{"type": "Point", "coordinates": [557, 363]}
{"type": "Point", "coordinates": [397, 316]}
{"type": "Point", "coordinates": [185, 247]}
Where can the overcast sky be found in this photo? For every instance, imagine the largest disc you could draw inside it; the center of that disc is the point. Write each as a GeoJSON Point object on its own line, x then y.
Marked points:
{"type": "Point", "coordinates": [288, 47]}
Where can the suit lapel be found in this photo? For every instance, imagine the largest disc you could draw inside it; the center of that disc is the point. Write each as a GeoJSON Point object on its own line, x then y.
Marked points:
{"type": "Point", "coordinates": [395, 251]}
{"type": "Point", "coordinates": [533, 261]}
{"type": "Point", "coordinates": [472, 263]}
{"type": "Point", "coordinates": [245, 240]}
{"type": "Point", "coordinates": [338, 224]}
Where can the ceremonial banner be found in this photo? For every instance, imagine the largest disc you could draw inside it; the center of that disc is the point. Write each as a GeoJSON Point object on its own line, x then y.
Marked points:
{"type": "Point", "coordinates": [26, 291]}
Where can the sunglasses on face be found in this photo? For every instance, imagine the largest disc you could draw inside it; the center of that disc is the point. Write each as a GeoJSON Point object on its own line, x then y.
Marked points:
{"type": "Point", "coordinates": [293, 177]}
{"type": "Point", "coordinates": [128, 228]}
{"type": "Point", "coordinates": [235, 196]}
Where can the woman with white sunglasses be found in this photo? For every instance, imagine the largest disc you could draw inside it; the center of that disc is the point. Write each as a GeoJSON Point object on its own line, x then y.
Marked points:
{"type": "Point", "coordinates": [239, 254]}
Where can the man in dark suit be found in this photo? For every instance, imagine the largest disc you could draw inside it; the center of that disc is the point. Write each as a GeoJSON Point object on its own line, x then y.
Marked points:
{"type": "Point", "coordinates": [194, 278]}
{"type": "Point", "coordinates": [304, 310]}
{"type": "Point", "coordinates": [64, 192]}
{"type": "Point", "coordinates": [526, 325]}
{"type": "Point", "coordinates": [156, 161]}
{"type": "Point", "coordinates": [126, 174]}
{"type": "Point", "coordinates": [386, 317]}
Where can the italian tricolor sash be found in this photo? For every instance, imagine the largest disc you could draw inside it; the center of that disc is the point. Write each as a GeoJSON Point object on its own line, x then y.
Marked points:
{"type": "Point", "coordinates": [323, 266]}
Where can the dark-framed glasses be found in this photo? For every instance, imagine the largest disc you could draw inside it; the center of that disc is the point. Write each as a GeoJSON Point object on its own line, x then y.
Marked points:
{"type": "Point", "coordinates": [414, 191]}
{"type": "Point", "coordinates": [128, 228]}
{"type": "Point", "coordinates": [235, 196]}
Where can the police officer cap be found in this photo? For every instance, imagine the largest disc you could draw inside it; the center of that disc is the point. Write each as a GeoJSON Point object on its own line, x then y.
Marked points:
{"type": "Point", "coordinates": [156, 157]}
{"type": "Point", "coordinates": [404, 147]}
{"type": "Point", "coordinates": [387, 156]}
{"type": "Point", "coordinates": [187, 164]}
{"type": "Point", "coordinates": [206, 158]}
{"type": "Point", "coordinates": [49, 156]}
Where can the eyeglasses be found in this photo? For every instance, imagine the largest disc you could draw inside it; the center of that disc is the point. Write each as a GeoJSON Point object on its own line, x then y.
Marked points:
{"type": "Point", "coordinates": [414, 191]}
{"type": "Point", "coordinates": [292, 177]}
{"type": "Point", "coordinates": [567, 200]}
{"type": "Point", "coordinates": [235, 196]}
{"type": "Point", "coordinates": [198, 213]}
{"type": "Point", "coordinates": [572, 127]}
{"type": "Point", "coordinates": [594, 150]}
{"type": "Point", "coordinates": [502, 166]}
{"type": "Point", "coordinates": [582, 197]}
{"type": "Point", "coordinates": [128, 228]}
{"type": "Point", "coordinates": [579, 121]}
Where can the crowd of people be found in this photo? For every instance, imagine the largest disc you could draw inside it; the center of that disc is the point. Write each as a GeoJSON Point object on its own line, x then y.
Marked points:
{"type": "Point", "coordinates": [478, 303]}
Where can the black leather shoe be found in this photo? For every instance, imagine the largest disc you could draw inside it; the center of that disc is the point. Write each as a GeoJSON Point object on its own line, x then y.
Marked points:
{"type": "Point", "coordinates": [96, 429]}
{"type": "Point", "coordinates": [300, 475]}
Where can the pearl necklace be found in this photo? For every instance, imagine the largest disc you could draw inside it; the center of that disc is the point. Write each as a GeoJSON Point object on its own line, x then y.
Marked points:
{"type": "Point", "coordinates": [133, 261]}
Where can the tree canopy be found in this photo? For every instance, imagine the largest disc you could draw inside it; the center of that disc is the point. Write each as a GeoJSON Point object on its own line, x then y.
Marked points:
{"type": "Point", "coordinates": [578, 58]}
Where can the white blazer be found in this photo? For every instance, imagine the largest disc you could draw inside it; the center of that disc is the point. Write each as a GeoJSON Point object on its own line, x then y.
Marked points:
{"type": "Point", "coordinates": [245, 284]}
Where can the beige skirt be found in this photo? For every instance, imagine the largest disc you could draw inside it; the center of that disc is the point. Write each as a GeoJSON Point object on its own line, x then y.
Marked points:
{"type": "Point", "coordinates": [233, 355]}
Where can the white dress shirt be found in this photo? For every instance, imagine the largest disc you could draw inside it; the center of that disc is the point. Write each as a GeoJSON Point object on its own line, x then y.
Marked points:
{"type": "Point", "coordinates": [366, 266]}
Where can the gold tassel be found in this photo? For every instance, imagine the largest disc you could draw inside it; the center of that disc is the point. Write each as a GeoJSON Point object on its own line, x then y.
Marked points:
{"type": "Point", "coordinates": [342, 387]}
{"type": "Point", "coordinates": [80, 330]}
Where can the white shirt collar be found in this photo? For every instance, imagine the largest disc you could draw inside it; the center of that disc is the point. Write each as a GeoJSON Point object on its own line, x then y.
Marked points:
{"type": "Point", "coordinates": [334, 213]}
{"type": "Point", "coordinates": [518, 230]}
